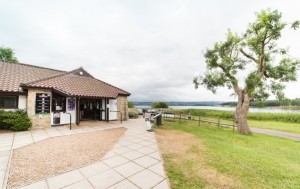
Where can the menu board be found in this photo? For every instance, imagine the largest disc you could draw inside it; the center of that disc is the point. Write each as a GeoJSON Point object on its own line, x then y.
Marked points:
{"type": "Point", "coordinates": [42, 103]}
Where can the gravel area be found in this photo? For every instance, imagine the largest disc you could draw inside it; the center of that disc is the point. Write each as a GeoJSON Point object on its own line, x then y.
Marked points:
{"type": "Point", "coordinates": [59, 154]}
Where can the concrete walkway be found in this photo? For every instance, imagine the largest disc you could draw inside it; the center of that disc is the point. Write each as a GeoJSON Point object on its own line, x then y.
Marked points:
{"type": "Point", "coordinates": [281, 134]}
{"type": "Point", "coordinates": [134, 162]}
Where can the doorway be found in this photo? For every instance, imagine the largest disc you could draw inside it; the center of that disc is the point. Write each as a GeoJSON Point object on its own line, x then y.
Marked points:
{"type": "Point", "coordinates": [90, 109]}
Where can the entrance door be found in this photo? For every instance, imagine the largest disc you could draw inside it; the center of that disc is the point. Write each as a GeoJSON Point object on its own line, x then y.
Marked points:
{"type": "Point", "coordinates": [89, 109]}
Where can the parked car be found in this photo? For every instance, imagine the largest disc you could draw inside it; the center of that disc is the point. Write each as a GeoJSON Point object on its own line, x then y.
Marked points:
{"type": "Point", "coordinates": [140, 112]}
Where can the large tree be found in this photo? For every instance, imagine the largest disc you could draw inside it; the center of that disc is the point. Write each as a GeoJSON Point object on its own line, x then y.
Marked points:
{"type": "Point", "coordinates": [255, 55]}
{"type": "Point", "coordinates": [7, 54]}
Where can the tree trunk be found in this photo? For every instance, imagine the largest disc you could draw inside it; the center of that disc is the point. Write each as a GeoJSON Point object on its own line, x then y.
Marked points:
{"type": "Point", "coordinates": [241, 113]}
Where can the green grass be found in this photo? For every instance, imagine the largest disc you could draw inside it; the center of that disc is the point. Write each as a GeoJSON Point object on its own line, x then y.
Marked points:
{"type": "Point", "coordinates": [257, 161]}
{"type": "Point", "coordinates": [274, 125]}
{"type": "Point", "coordinates": [178, 178]}
{"type": "Point", "coordinates": [259, 116]}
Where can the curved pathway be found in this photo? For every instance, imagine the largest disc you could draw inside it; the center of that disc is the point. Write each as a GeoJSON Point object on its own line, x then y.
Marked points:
{"type": "Point", "coordinates": [134, 162]}
{"type": "Point", "coordinates": [281, 134]}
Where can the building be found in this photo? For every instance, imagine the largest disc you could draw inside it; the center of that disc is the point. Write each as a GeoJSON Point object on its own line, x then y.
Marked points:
{"type": "Point", "coordinates": [51, 96]}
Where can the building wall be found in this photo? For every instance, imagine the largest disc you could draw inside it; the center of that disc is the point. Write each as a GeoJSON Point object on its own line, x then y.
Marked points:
{"type": "Point", "coordinates": [123, 107]}
{"type": "Point", "coordinates": [38, 120]}
{"type": "Point", "coordinates": [22, 102]}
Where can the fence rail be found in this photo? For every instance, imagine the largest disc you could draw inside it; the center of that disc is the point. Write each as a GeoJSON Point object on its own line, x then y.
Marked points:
{"type": "Point", "coordinates": [180, 117]}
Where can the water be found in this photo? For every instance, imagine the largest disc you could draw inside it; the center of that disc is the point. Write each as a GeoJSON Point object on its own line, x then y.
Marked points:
{"type": "Point", "coordinates": [227, 108]}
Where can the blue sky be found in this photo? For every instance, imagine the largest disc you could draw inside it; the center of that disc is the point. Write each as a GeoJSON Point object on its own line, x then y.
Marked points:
{"type": "Point", "coordinates": [152, 49]}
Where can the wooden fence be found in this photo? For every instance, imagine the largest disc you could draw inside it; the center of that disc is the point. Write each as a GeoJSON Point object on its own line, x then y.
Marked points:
{"type": "Point", "coordinates": [180, 117]}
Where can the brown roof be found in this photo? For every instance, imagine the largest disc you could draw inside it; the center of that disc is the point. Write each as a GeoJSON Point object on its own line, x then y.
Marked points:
{"type": "Point", "coordinates": [12, 74]}
{"type": "Point", "coordinates": [73, 84]}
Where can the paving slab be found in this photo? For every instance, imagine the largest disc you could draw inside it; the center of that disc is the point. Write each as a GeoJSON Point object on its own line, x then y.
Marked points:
{"type": "Point", "coordinates": [146, 179]}
{"type": "Point", "coordinates": [134, 161]}
{"type": "Point", "coordinates": [106, 179]}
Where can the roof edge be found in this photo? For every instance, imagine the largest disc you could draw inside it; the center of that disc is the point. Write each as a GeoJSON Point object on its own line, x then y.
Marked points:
{"type": "Point", "coordinates": [30, 65]}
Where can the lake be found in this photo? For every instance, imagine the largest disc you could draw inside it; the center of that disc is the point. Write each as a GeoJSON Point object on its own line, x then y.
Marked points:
{"type": "Point", "coordinates": [228, 108]}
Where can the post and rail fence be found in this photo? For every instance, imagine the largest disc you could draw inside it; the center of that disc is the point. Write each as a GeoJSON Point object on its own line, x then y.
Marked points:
{"type": "Point", "coordinates": [172, 117]}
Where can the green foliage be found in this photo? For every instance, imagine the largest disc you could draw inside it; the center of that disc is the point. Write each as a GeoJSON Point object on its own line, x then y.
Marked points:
{"type": "Point", "coordinates": [282, 117]}
{"type": "Point", "coordinates": [159, 105]}
{"type": "Point", "coordinates": [7, 54]}
{"type": "Point", "coordinates": [133, 113]}
{"type": "Point", "coordinates": [15, 120]}
{"type": "Point", "coordinates": [249, 160]}
{"type": "Point", "coordinates": [257, 46]}
{"type": "Point", "coordinates": [269, 103]}
{"type": "Point", "coordinates": [130, 104]}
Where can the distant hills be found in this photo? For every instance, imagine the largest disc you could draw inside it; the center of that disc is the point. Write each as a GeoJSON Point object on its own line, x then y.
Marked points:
{"type": "Point", "coordinates": [201, 103]}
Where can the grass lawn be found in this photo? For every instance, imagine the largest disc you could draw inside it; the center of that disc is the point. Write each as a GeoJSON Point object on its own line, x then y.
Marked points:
{"type": "Point", "coordinates": [274, 125]}
{"type": "Point", "coordinates": [211, 157]}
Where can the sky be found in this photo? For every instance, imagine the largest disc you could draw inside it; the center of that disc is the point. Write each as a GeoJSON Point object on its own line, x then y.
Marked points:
{"type": "Point", "coordinates": [150, 48]}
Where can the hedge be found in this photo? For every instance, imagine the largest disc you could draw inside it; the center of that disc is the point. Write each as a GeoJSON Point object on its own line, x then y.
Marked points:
{"type": "Point", "coordinates": [14, 120]}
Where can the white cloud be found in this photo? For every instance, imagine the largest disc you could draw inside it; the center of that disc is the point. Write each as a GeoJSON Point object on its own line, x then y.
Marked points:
{"type": "Point", "coordinates": [152, 49]}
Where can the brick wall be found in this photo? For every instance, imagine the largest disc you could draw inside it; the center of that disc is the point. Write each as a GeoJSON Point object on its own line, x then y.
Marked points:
{"type": "Point", "coordinates": [123, 107]}
{"type": "Point", "coordinates": [38, 120]}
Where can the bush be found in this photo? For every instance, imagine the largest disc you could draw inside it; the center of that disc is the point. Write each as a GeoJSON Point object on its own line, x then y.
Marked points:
{"type": "Point", "coordinates": [130, 104]}
{"type": "Point", "coordinates": [159, 105]}
{"type": "Point", "coordinates": [15, 120]}
{"type": "Point", "coordinates": [133, 113]}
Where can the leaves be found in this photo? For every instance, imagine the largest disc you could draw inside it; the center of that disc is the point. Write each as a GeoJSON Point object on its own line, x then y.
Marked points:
{"type": "Point", "coordinates": [258, 45]}
{"type": "Point", "coordinates": [295, 25]}
{"type": "Point", "coordinates": [7, 54]}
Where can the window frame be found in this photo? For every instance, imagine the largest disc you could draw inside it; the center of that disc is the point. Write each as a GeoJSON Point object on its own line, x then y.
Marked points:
{"type": "Point", "coordinates": [11, 107]}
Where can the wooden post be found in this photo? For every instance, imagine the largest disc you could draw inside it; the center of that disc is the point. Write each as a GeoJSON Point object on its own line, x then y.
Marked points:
{"type": "Point", "coordinates": [219, 122]}
{"type": "Point", "coordinates": [233, 125]}
{"type": "Point", "coordinates": [180, 118]}
{"type": "Point", "coordinates": [199, 124]}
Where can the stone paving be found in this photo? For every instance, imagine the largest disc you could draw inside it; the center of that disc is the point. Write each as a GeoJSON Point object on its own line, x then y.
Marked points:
{"type": "Point", "coordinates": [134, 162]}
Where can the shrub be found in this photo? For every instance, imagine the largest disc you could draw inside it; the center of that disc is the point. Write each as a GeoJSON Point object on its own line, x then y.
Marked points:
{"type": "Point", "coordinates": [159, 105]}
{"type": "Point", "coordinates": [15, 120]}
{"type": "Point", "coordinates": [130, 104]}
{"type": "Point", "coordinates": [133, 113]}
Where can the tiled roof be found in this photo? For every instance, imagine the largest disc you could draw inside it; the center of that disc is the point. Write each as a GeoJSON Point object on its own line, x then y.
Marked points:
{"type": "Point", "coordinates": [12, 74]}
{"type": "Point", "coordinates": [74, 83]}
{"type": "Point", "coordinates": [79, 86]}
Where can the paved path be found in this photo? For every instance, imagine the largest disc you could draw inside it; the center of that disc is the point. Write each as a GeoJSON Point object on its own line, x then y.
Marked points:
{"type": "Point", "coordinates": [134, 162]}
{"type": "Point", "coordinates": [276, 133]}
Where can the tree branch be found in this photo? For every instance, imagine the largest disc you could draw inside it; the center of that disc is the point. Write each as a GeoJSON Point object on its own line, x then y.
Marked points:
{"type": "Point", "coordinates": [248, 56]}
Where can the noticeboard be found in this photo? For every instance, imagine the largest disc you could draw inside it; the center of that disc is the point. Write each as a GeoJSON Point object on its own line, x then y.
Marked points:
{"type": "Point", "coordinates": [42, 103]}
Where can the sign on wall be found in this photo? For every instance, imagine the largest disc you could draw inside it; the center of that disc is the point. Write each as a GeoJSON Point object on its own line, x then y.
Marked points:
{"type": "Point", "coordinates": [71, 104]}
{"type": "Point", "coordinates": [42, 103]}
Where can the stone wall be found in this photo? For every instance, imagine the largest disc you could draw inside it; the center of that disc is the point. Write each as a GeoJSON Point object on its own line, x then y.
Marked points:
{"type": "Point", "coordinates": [38, 120]}
{"type": "Point", "coordinates": [123, 107]}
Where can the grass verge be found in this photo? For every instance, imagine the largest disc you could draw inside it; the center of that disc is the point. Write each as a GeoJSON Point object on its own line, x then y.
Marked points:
{"type": "Point", "coordinates": [273, 125]}
{"type": "Point", "coordinates": [256, 161]}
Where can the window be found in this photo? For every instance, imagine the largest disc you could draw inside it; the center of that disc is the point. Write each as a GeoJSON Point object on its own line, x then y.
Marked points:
{"type": "Point", "coordinates": [58, 103]}
{"type": "Point", "coordinates": [8, 102]}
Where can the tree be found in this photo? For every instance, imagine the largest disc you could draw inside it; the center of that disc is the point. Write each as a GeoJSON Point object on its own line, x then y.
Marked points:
{"type": "Point", "coordinates": [159, 105]}
{"type": "Point", "coordinates": [255, 54]}
{"type": "Point", "coordinates": [7, 54]}
{"type": "Point", "coordinates": [130, 104]}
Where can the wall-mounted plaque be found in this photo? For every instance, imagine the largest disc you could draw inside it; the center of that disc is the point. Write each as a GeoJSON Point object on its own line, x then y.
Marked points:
{"type": "Point", "coordinates": [42, 103]}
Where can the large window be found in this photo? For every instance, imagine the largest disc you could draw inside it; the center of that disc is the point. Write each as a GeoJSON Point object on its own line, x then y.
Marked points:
{"type": "Point", "coordinates": [8, 102]}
